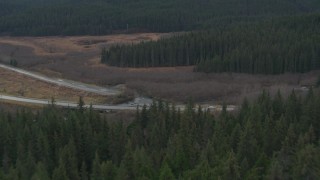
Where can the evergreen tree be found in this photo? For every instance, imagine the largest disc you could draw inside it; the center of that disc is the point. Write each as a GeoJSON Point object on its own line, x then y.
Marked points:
{"type": "Point", "coordinates": [96, 168]}
{"type": "Point", "coordinates": [307, 163]}
{"type": "Point", "coordinates": [166, 173]}
{"type": "Point", "coordinates": [269, 138]}
{"type": "Point", "coordinates": [81, 104]}
{"type": "Point", "coordinates": [268, 47]}
{"type": "Point", "coordinates": [40, 173]}
{"type": "Point", "coordinates": [108, 170]}
{"type": "Point", "coordinates": [60, 173]}
{"type": "Point", "coordinates": [83, 171]}
{"type": "Point", "coordinates": [231, 169]}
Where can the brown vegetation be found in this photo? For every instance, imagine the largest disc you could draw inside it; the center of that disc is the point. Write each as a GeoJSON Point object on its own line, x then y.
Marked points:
{"type": "Point", "coordinates": [77, 58]}
{"type": "Point", "coordinates": [22, 86]}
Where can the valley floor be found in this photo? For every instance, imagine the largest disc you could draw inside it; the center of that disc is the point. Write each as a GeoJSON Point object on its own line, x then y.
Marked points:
{"type": "Point", "coordinates": [78, 58]}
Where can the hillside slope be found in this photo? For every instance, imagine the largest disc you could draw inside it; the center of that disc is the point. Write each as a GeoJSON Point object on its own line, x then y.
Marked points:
{"type": "Point", "coordinates": [71, 17]}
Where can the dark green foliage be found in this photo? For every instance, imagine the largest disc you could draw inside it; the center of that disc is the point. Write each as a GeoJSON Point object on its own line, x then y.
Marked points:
{"type": "Point", "coordinates": [95, 17]}
{"type": "Point", "coordinates": [273, 138]}
{"type": "Point", "coordinates": [318, 81]}
{"type": "Point", "coordinates": [13, 63]}
{"type": "Point", "coordinates": [274, 46]}
{"type": "Point", "coordinates": [40, 172]}
{"type": "Point", "coordinates": [81, 104]}
{"type": "Point", "coordinates": [166, 173]}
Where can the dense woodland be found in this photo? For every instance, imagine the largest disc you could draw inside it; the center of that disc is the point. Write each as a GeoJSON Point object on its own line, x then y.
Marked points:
{"type": "Point", "coordinates": [96, 17]}
{"type": "Point", "coordinates": [271, 138]}
{"type": "Point", "coordinates": [274, 46]}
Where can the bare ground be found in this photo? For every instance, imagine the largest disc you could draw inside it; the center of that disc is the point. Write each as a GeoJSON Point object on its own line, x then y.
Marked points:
{"type": "Point", "coordinates": [23, 86]}
{"type": "Point", "coordinates": [78, 58]}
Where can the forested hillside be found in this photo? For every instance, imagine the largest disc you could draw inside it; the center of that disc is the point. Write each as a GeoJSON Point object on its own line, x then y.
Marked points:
{"type": "Point", "coordinates": [96, 17]}
{"type": "Point", "coordinates": [275, 46]}
{"type": "Point", "coordinates": [272, 138]}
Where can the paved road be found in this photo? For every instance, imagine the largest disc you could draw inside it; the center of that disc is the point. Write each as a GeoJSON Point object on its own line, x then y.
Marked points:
{"type": "Point", "coordinates": [139, 101]}
{"type": "Point", "coordinates": [64, 82]}
{"type": "Point", "coordinates": [66, 104]}
{"type": "Point", "coordinates": [127, 106]}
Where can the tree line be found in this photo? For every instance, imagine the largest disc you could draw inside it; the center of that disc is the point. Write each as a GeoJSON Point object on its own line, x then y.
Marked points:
{"type": "Point", "coordinates": [274, 46]}
{"type": "Point", "coordinates": [97, 17]}
{"type": "Point", "coordinates": [270, 138]}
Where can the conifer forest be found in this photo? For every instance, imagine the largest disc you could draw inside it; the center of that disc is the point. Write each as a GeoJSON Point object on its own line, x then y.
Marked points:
{"type": "Point", "coordinates": [168, 89]}
{"type": "Point", "coordinates": [270, 138]}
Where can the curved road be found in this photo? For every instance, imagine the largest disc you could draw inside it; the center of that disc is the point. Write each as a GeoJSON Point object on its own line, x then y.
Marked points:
{"type": "Point", "coordinates": [138, 102]}
{"type": "Point", "coordinates": [64, 82]}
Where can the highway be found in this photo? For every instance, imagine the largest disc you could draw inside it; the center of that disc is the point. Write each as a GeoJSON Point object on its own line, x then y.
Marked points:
{"type": "Point", "coordinates": [64, 82]}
